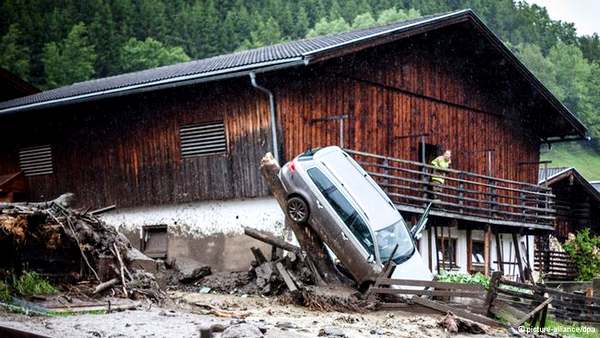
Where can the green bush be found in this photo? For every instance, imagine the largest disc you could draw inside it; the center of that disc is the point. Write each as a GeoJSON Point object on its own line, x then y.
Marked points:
{"type": "Point", "coordinates": [463, 278]}
{"type": "Point", "coordinates": [584, 249]}
{"type": "Point", "coordinates": [31, 283]}
{"type": "Point", "coordinates": [5, 294]}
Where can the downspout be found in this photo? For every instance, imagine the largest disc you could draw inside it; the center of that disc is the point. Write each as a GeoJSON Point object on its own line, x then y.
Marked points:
{"type": "Point", "coordinates": [272, 111]}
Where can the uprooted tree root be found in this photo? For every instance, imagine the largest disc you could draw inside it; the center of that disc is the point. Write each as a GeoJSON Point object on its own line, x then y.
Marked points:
{"type": "Point", "coordinates": [70, 245]}
{"type": "Point", "coordinates": [329, 299]}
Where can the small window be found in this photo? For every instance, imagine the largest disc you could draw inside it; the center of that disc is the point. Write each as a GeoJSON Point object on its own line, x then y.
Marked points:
{"type": "Point", "coordinates": [154, 241]}
{"type": "Point", "coordinates": [203, 139]}
{"type": "Point", "coordinates": [448, 256]}
{"type": "Point", "coordinates": [343, 208]}
{"type": "Point", "coordinates": [35, 161]}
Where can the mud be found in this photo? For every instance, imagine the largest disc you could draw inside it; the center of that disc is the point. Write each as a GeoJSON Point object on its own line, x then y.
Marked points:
{"type": "Point", "coordinates": [189, 315]}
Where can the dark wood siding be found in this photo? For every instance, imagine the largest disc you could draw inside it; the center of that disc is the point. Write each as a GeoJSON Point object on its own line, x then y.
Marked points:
{"type": "Point", "coordinates": [126, 151]}
{"type": "Point", "coordinates": [407, 89]}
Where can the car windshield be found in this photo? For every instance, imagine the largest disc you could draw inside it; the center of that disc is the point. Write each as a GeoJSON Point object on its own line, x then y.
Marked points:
{"type": "Point", "coordinates": [388, 237]}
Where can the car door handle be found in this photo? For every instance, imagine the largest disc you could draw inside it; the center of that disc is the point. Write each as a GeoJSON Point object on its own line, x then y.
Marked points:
{"type": "Point", "coordinates": [344, 237]}
{"type": "Point", "coordinates": [319, 205]}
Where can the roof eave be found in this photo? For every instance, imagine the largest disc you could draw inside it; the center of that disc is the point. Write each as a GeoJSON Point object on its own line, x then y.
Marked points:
{"type": "Point", "coordinates": [162, 84]}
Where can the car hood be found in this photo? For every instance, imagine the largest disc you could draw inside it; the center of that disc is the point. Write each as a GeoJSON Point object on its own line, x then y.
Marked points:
{"type": "Point", "coordinates": [413, 268]}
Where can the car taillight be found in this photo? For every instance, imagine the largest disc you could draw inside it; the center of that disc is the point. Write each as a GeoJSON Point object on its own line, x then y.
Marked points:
{"type": "Point", "coordinates": [292, 166]}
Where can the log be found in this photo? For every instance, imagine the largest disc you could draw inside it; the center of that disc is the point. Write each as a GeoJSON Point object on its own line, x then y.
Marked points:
{"type": "Point", "coordinates": [65, 200]}
{"type": "Point", "coordinates": [106, 285]}
{"type": "Point", "coordinates": [269, 239]}
{"type": "Point", "coordinates": [311, 244]}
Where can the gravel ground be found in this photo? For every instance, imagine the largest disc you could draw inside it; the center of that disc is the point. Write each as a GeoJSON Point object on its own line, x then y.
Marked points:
{"type": "Point", "coordinates": [193, 311]}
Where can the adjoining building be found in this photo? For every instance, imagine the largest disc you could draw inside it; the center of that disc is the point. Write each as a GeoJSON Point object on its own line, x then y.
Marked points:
{"type": "Point", "coordinates": [177, 148]}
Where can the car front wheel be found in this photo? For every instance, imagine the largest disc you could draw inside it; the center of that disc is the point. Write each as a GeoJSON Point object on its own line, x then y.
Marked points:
{"type": "Point", "coordinates": [297, 209]}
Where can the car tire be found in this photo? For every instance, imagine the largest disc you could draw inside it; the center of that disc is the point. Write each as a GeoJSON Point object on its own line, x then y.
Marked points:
{"type": "Point", "coordinates": [297, 209]}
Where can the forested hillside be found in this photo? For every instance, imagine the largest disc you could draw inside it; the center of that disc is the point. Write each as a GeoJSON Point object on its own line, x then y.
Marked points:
{"type": "Point", "coordinates": [57, 42]}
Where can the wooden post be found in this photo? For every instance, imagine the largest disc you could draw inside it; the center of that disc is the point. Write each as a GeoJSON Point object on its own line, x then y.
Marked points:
{"type": "Point", "coordinates": [486, 249]}
{"type": "Point", "coordinates": [437, 256]}
{"type": "Point", "coordinates": [492, 292]}
{"type": "Point", "coordinates": [469, 252]}
{"type": "Point", "coordinates": [443, 244]}
{"type": "Point", "coordinates": [430, 247]}
{"type": "Point", "coordinates": [499, 252]}
{"type": "Point", "coordinates": [596, 287]}
{"type": "Point", "coordinates": [518, 256]}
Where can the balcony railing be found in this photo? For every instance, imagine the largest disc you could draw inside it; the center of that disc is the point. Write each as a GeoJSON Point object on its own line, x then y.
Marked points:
{"type": "Point", "coordinates": [463, 195]}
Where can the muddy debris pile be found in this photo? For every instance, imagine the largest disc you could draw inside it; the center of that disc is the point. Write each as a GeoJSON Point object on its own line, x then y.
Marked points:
{"type": "Point", "coordinates": [72, 246]}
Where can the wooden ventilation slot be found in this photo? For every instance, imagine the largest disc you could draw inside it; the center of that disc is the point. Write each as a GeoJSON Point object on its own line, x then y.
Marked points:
{"type": "Point", "coordinates": [36, 160]}
{"type": "Point", "coordinates": [203, 139]}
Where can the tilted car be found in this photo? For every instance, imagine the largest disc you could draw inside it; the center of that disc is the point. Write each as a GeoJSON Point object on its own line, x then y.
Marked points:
{"type": "Point", "coordinates": [333, 194]}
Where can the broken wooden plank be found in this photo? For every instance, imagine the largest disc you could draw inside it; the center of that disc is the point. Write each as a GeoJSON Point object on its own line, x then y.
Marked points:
{"type": "Point", "coordinates": [106, 285]}
{"type": "Point", "coordinates": [533, 312]}
{"type": "Point", "coordinates": [258, 255]}
{"type": "Point", "coordinates": [270, 239]}
{"type": "Point", "coordinates": [103, 210]}
{"type": "Point", "coordinates": [431, 304]}
{"type": "Point", "coordinates": [504, 310]}
{"type": "Point", "coordinates": [435, 284]}
{"type": "Point", "coordinates": [445, 293]}
{"type": "Point", "coordinates": [286, 277]}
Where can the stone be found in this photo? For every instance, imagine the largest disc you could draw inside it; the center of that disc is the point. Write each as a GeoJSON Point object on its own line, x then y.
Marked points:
{"type": "Point", "coordinates": [243, 330]}
{"type": "Point", "coordinates": [190, 270]}
{"type": "Point", "coordinates": [331, 332]}
{"type": "Point", "coordinates": [137, 260]}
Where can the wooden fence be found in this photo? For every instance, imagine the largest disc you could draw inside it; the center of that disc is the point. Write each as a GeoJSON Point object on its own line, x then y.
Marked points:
{"type": "Point", "coordinates": [466, 194]}
{"type": "Point", "coordinates": [555, 265]}
{"type": "Point", "coordinates": [513, 302]}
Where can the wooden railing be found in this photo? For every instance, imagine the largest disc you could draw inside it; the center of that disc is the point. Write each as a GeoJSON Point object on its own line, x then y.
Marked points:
{"type": "Point", "coordinates": [555, 265]}
{"type": "Point", "coordinates": [469, 195]}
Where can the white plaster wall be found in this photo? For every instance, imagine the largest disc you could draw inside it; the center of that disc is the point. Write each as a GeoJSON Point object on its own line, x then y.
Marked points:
{"type": "Point", "coordinates": [203, 218]}
{"type": "Point", "coordinates": [507, 249]}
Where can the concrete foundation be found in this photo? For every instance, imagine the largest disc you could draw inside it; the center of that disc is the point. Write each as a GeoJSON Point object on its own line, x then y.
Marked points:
{"type": "Point", "coordinates": [209, 232]}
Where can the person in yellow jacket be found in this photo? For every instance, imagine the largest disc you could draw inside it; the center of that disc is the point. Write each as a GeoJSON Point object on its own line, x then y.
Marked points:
{"type": "Point", "coordinates": [442, 162]}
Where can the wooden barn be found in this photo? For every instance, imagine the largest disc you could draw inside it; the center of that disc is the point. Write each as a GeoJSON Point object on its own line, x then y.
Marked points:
{"type": "Point", "coordinates": [177, 148]}
{"type": "Point", "coordinates": [577, 205]}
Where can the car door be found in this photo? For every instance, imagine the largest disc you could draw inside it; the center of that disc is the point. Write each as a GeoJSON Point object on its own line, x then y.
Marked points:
{"type": "Point", "coordinates": [351, 231]}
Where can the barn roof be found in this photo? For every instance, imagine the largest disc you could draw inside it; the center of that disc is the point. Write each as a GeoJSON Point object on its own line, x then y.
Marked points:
{"type": "Point", "coordinates": [290, 54]}
{"type": "Point", "coordinates": [576, 177]}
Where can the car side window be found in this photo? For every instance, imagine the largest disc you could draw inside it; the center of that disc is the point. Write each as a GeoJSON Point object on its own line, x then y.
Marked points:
{"type": "Point", "coordinates": [343, 208]}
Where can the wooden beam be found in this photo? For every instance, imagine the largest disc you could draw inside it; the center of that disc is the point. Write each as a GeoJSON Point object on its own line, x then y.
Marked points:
{"type": "Point", "coordinates": [430, 247]}
{"type": "Point", "coordinates": [534, 311]}
{"type": "Point", "coordinates": [270, 239]}
{"type": "Point", "coordinates": [499, 261]}
{"type": "Point", "coordinates": [458, 312]}
{"type": "Point", "coordinates": [486, 249]}
{"type": "Point", "coordinates": [518, 256]}
{"type": "Point", "coordinates": [469, 251]}
{"type": "Point", "coordinates": [437, 255]}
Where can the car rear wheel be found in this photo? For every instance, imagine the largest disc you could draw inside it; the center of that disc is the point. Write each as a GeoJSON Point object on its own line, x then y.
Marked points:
{"type": "Point", "coordinates": [297, 209]}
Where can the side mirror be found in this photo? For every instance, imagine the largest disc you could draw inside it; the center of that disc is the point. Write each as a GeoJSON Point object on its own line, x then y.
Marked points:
{"type": "Point", "coordinates": [371, 258]}
{"type": "Point", "coordinates": [416, 230]}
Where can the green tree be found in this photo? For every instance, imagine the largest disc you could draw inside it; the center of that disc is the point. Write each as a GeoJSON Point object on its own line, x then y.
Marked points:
{"type": "Point", "coordinates": [267, 33]}
{"type": "Point", "coordinates": [325, 27]}
{"type": "Point", "coordinates": [71, 60]}
{"type": "Point", "coordinates": [364, 20]}
{"type": "Point", "coordinates": [150, 53]}
{"type": "Point", "coordinates": [393, 15]}
{"type": "Point", "coordinates": [590, 47]}
{"type": "Point", "coordinates": [15, 55]}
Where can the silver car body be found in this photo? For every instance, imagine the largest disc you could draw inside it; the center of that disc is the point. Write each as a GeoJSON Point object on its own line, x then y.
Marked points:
{"type": "Point", "coordinates": [352, 215]}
